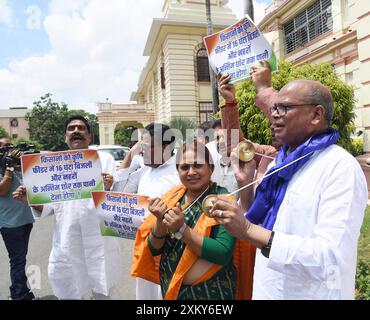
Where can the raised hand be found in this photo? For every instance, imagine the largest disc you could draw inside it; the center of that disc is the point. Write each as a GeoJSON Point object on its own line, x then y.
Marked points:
{"type": "Point", "coordinates": [135, 150]}
{"type": "Point", "coordinates": [243, 171]}
{"type": "Point", "coordinates": [229, 214]}
{"type": "Point", "coordinates": [226, 90]}
{"type": "Point", "coordinates": [157, 207]}
{"type": "Point", "coordinates": [20, 194]}
{"type": "Point", "coordinates": [261, 76]}
{"type": "Point", "coordinates": [174, 218]}
{"type": "Point", "coordinates": [107, 180]}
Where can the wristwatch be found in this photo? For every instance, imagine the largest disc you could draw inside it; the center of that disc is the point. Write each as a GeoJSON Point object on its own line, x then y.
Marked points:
{"type": "Point", "coordinates": [180, 233]}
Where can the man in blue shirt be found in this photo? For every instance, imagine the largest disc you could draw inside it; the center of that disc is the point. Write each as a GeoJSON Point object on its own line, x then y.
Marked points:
{"type": "Point", "coordinates": [15, 227]}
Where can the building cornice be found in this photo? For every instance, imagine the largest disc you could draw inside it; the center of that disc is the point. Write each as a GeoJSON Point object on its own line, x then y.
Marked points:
{"type": "Point", "coordinates": [153, 45]}
{"type": "Point", "coordinates": [296, 6]}
{"type": "Point", "coordinates": [157, 24]}
{"type": "Point", "coordinates": [276, 13]}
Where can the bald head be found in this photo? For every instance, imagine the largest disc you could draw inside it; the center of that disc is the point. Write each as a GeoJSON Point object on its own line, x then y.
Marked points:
{"type": "Point", "coordinates": [312, 92]}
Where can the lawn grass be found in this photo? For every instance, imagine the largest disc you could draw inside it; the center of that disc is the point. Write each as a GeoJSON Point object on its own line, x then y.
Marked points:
{"type": "Point", "coordinates": [363, 260]}
{"type": "Point", "coordinates": [364, 242]}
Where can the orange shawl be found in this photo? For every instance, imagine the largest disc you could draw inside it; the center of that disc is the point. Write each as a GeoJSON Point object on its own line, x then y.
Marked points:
{"type": "Point", "coordinates": [146, 266]}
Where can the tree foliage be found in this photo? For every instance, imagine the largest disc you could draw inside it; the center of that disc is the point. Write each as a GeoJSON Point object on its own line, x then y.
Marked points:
{"type": "Point", "coordinates": [3, 132]}
{"type": "Point", "coordinates": [20, 140]}
{"type": "Point", "coordinates": [184, 126]}
{"type": "Point", "coordinates": [122, 135]}
{"type": "Point", "coordinates": [256, 126]}
{"type": "Point", "coordinates": [46, 123]}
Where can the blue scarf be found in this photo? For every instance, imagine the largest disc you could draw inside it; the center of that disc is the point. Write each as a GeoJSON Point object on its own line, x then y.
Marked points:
{"type": "Point", "coordinates": [270, 193]}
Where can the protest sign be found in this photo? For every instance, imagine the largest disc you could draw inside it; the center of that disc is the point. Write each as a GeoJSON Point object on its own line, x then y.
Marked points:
{"type": "Point", "coordinates": [61, 176]}
{"type": "Point", "coordinates": [120, 214]}
{"type": "Point", "coordinates": [237, 48]}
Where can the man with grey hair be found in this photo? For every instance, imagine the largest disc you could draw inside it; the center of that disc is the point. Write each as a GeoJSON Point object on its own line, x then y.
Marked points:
{"type": "Point", "coordinates": [307, 212]}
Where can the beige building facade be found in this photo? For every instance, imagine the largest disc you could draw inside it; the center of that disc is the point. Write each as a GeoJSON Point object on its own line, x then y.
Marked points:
{"type": "Point", "coordinates": [175, 81]}
{"type": "Point", "coordinates": [333, 31]}
{"type": "Point", "coordinates": [109, 115]}
{"type": "Point", "coordinates": [13, 120]}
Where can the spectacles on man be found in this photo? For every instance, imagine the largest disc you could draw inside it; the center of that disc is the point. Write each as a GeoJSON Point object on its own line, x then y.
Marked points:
{"type": "Point", "coordinates": [282, 109]}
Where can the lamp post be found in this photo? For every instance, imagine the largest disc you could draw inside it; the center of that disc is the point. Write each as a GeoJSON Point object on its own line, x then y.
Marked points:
{"type": "Point", "coordinates": [215, 100]}
{"type": "Point", "coordinates": [249, 9]}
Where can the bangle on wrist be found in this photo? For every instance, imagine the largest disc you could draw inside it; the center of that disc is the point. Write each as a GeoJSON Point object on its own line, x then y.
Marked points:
{"type": "Point", "coordinates": [156, 236]}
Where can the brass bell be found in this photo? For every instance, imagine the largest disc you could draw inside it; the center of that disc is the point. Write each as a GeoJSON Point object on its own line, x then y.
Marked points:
{"type": "Point", "coordinates": [245, 150]}
{"type": "Point", "coordinates": [207, 203]}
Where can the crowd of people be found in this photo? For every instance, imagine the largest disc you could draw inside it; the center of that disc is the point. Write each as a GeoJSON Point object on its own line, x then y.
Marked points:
{"type": "Point", "coordinates": [283, 225]}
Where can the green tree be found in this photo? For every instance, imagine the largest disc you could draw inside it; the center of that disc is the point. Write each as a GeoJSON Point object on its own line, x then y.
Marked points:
{"type": "Point", "coordinates": [183, 125]}
{"type": "Point", "coordinates": [122, 135]}
{"type": "Point", "coordinates": [20, 140]}
{"type": "Point", "coordinates": [256, 126]}
{"type": "Point", "coordinates": [46, 123]}
{"type": "Point", "coordinates": [3, 132]}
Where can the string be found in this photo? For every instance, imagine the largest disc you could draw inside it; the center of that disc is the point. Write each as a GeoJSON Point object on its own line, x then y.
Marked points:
{"type": "Point", "coordinates": [271, 173]}
{"type": "Point", "coordinates": [188, 208]}
{"type": "Point", "coordinates": [265, 156]}
{"type": "Point", "coordinates": [195, 201]}
{"type": "Point", "coordinates": [171, 196]}
{"type": "Point", "coordinates": [253, 182]}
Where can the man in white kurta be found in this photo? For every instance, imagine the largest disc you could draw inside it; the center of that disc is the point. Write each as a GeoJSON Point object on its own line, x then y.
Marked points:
{"type": "Point", "coordinates": [223, 174]}
{"type": "Point", "coordinates": [81, 262]}
{"type": "Point", "coordinates": [314, 250]}
{"type": "Point", "coordinates": [310, 251]}
{"type": "Point", "coordinates": [153, 180]}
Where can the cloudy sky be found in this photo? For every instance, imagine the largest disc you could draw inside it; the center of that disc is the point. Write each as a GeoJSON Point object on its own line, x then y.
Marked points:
{"type": "Point", "coordinates": [82, 51]}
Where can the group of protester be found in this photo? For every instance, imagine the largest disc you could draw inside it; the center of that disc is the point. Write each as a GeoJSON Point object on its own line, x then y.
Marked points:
{"type": "Point", "coordinates": [284, 225]}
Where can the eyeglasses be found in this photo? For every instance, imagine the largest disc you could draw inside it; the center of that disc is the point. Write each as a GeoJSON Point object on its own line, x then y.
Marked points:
{"type": "Point", "coordinates": [282, 109]}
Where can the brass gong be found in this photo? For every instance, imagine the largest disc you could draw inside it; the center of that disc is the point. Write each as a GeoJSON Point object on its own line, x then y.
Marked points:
{"type": "Point", "coordinates": [245, 150]}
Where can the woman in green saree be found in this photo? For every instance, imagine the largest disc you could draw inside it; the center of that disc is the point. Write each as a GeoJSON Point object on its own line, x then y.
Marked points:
{"type": "Point", "coordinates": [195, 251]}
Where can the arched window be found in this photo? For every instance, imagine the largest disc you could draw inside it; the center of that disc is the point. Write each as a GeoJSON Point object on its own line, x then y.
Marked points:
{"type": "Point", "coordinates": [202, 65]}
{"type": "Point", "coordinates": [14, 122]}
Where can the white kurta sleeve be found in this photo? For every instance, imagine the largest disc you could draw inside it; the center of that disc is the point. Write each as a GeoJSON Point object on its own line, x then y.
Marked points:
{"type": "Point", "coordinates": [127, 181]}
{"type": "Point", "coordinates": [47, 210]}
{"type": "Point", "coordinates": [333, 241]}
{"type": "Point", "coordinates": [107, 162]}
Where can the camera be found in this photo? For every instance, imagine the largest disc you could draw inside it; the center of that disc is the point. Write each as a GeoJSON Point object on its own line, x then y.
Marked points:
{"type": "Point", "coordinates": [9, 160]}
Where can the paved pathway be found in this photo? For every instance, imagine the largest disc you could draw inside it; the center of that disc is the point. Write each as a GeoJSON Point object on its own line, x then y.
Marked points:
{"type": "Point", "coordinates": [37, 259]}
